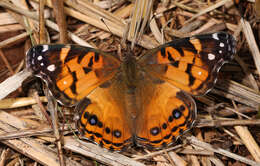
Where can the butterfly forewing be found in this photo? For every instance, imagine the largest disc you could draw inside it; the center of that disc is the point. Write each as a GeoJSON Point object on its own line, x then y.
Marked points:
{"type": "Point", "coordinates": [71, 71]}
{"type": "Point", "coordinates": [191, 64]}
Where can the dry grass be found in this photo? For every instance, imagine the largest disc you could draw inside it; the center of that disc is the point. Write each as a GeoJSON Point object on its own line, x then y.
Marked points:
{"type": "Point", "coordinates": [227, 130]}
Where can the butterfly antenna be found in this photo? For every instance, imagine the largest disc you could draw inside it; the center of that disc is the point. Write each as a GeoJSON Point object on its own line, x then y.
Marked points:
{"type": "Point", "coordinates": [106, 25]}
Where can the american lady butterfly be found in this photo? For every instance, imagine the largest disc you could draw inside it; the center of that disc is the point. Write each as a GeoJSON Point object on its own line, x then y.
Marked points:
{"type": "Point", "coordinates": [144, 101]}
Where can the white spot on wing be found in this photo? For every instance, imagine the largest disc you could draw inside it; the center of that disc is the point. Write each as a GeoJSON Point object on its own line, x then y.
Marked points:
{"type": "Point", "coordinates": [39, 58]}
{"type": "Point", "coordinates": [215, 36]}
{"type": "Point", "coordinates": [45, 48]}
{"type": "Point", "coordinates": [199, 73]}
{"type": "Point", "coordinates": [220, 51]}
{"type": "Point", "coordinates": [211, 56]}
{"type": "Point", "coordinates": [42, 64]}
{"type": "Point", "coordinates": [64, 82]}
{"type": "Point", "coordinates": [221, 44]}
{"type": "Point", "coordinates": [51, 67]}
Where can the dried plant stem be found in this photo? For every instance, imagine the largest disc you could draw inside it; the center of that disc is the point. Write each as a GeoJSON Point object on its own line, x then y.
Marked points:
{"type": "Point", "coordinates": [34, 16]}
{"type": "Point", "coordinates": [52, 107]}
{"type": "Point", "coordinates": [210, 8]}
{"type": "Point", "coordinates": [249, 141]}
{"type": "Point", "coordinates": [42, 36]}
{"type": "Point", "coordinates": [219, 123]}
{"type": "Point", "coordinates": [251, 43]}
{"type": "Point", "coordinates": [19, 102]}
{"type": "Point", "coordinates": [58, 7]}
{"type": "Point", "coordinates": [3, 156]}
{"type": "Point", "coordinates": [98, 153]}
{"type": "Point", "coordinates": [28, 146]}
{"type": "Point", "coordinates": [156, 153]}
{"type": "Point", "coordinates": [13, 40]}
{"type": "Point", "coordinates": [7, 64]}
{"type": "Point", "coordinates": [13, 83]}
{"type": "Point", "coordinates": [193, 140]}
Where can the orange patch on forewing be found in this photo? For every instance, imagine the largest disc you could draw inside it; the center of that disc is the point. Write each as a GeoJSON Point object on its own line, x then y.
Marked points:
{"type": "Point", "coordinates": [99, 64]}
{"type": "Point", "coordinates": [64, 71]}
{"type": "Point", "coordinates": [196, 43]}
{"type": "Point", "coordinates": [188, 56]}
{"type": "Point", "coordinates": [199, 73]}
{"type": "Point", "coordinates": [85, 82]}
{"type": "Point", "coordinates": [73, 64]}
{"type": "Point", "coordinates": [182, 66]}
{"type": "Point", "coordinates": [196, 84]}
{"type": "Point", "coordinates": [80, 73]}
{"type": "Point", "coordinates": [169, 51]}
{"type": "Point", "coordinates": [69, 93]}
{"type": "Point", "coordinates": [65, 82]}
{"type": "Point", "coordinates": [87, 58]}
{"type": "Point", "coordinates": [161, 59]}
{"type": "Point", "coordinates": [177, 75]}
{"type": "Point", "coordinates": [64, 53]}
{"type": "Point", "coordinates": [198, 62]}
{"type": "Point", "coordinates": [173, 52]}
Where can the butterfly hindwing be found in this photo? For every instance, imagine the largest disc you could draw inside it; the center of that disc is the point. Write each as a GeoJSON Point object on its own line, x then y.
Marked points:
{"type": "Point", "coordinates": [167, 112]}
{"type": "Point", "coordinates": [191, 64]}
{"type": "Point", "coordinates": [103, 117]}
{"type": "Point", "coordinates": [71, 71]}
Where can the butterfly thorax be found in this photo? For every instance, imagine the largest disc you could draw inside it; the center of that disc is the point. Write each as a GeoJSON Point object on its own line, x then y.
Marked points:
{"type": "Point", "coordinates": [129, 71]}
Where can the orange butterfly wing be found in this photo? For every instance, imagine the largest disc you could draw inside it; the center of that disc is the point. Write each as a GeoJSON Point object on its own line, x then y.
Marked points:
{"type": "Point", "coordinates": [103, 116]}
{"type": "Point", "coordinates": [187, 65]}
{"type": "Point", "coordinates": [71, 71]}
{"type": "Point", "coordinates": [191, 64]}
{"type": "Point", "coordinates": [167, 112]}
{"type": "Point", "coordinates": [75, 73]}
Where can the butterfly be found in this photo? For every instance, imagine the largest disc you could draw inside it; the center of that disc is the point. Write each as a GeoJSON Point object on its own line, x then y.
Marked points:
{"type": "Point", "coordinates": [144, 101]}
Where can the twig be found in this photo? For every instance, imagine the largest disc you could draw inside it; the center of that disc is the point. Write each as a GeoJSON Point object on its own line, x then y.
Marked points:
{"type": "Point", "coordinates": [219, 123]}
{"type": "Point", "coordinates": [251, 43]}
{"type": "Point", "coordinates": [193, 140]}
{"type": "Point", "coordinates": [156, 153]}
{"type": "Point", "coordinates": [12, 40]}
{"type": "Point", "coordinates": [28, 146]}
{"type": "Point", "coordinates": [210, 8]}
{"type": "Point", "coordinates": [249, 141]}
{"type": "Point", "coordinates": [3, 156]}
{"type": "Point", "coordinates": [7, 64]}
{"type": "Point", "coordinates": [13, 83]}
{"type": "Point", "coordinates": [98, 153]}
{"type": "Point", "coordinates": [42, 36]}
{"type": "Point", "coordinates": [52, 107]}
{"type": "Point", "coordinates": [58, 7]}
{"type": "Point", "coordinates": [19, 102]}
